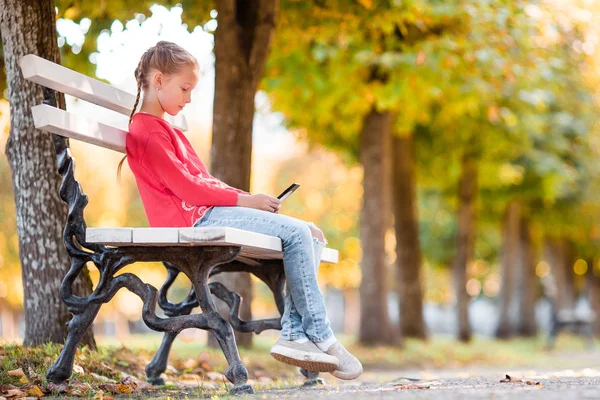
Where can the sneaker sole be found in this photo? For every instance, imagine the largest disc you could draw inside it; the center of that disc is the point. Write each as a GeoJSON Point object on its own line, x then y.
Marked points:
{"type": "Point", "coordinates": [310, 365]}
{"type": "Point", "coordinates": [346, 375]}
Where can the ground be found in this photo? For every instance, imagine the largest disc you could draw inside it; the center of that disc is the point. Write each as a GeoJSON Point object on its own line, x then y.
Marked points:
{"type": "Point", "coordinates": [437, 369]}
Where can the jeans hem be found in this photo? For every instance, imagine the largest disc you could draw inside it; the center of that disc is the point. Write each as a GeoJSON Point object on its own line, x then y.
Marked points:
{"type": "Point", "coordinates": [319, 339]}
{"type": "Point", "coordinates": [294, 337]}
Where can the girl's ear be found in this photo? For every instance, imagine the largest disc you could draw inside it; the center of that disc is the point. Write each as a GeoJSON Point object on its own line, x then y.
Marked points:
{"type": "Point", "coordinates": [158, 79]}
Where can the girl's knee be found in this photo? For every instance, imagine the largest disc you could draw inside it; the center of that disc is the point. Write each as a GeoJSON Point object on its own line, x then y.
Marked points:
{"type": "Point", "coordinates": [317, 233]}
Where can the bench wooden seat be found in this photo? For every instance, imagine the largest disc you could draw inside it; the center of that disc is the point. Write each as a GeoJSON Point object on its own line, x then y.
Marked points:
{"type": "Point", "coordinates": [253, 245]}
{"type": "Point", "coordinates": [199, 253]}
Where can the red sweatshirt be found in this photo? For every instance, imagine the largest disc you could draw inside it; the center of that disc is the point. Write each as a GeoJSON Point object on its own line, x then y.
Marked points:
{"type": "Point", "coordinates": [175, 186]}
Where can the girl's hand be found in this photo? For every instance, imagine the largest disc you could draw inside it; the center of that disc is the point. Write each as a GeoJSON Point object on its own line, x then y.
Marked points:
{"type": "Point", "coordinates": [259, 201]}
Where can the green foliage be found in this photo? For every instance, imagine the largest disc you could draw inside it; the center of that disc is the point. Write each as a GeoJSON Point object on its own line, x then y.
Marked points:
{"type": "Point", "coordinates": [496, 78]}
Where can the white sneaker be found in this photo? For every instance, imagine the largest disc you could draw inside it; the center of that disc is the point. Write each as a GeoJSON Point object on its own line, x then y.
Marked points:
{"type": "Point", "coordinates": [304, 355]}
{"type": "Point", "coordinates": [350, 367]}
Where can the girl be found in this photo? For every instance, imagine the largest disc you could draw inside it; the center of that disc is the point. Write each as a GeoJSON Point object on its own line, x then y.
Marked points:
{"type": "Point", "coordinates": [177, 190]}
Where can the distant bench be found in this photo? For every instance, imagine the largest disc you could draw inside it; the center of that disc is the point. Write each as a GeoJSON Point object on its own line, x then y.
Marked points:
{"type": "Point", "coordinates": [197, 252]}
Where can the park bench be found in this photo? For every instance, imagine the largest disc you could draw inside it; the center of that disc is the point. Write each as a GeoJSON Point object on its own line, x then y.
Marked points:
{"type": "Point", "coordinates": [199, 253]}
{"type": "Point", "coordinates": [573, 320]}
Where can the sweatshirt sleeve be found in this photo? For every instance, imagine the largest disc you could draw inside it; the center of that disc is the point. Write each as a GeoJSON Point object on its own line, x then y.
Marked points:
{"type": "Point", "coordinates": [240, 191]}
{"type": "Point", "coordinates": [160, 160]}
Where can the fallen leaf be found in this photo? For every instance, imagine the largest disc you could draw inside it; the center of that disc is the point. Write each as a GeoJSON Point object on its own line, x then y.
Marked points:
{"type": "Point", "coordinates": [102, 378]}
{"type": "Point", "coordinates": [34, 376]}
{"type": "Point", "coordinates": [58, 387]}
{"type": "Point", "coordinates": [109, 387]}
{"type": "Point", "coordinates": [99, 395]}
{"type": "Point", "coordinates": [407, 386]}
{"type": "Point", "coordinates": [15, 394]}
{"type": "Point", "coordinates": [24, 380]}
{"type": "Point", "coordinates": [509, 379]}
{"type": "Point", "coordinates": [78, 369]}
{"type": "Point", "coordinates": [125, 389]}
{"type": "Point", "coordinates": [35, 391]}
{"type": "Point", "coordinates": [16, 373]}
{"type": "Point", "coordinates": [119, 388]}
{"type": "Point", "coordinates": [216, 376]}
{"type": "Point", "coordinates": [190, 377]}
{"type": "Point", "coordinates": [78, 389]}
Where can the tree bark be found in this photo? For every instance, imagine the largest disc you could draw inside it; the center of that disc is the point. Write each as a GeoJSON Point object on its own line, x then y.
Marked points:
{"type": "Point", "coordinates": [527, 283]}
{"type": "Point", "coordinates": [408, 248]}
{"type": "Point", "coordinates": [509, 258]}
{"type": "Point", "coordinates": [375, 152]}
{"type": "Point", "coordinates": [242, 43]}
{"type": "Point", "coordinates": [465, 242]}
{"type": "Point", "coordinates": [28, 27]}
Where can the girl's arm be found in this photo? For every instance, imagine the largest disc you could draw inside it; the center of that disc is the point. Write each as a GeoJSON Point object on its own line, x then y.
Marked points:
{"type": "Point", "coordinates": [240, 191]}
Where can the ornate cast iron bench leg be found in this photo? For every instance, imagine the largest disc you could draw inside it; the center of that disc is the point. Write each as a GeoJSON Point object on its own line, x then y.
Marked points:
{"type": "Point", "coordinates": [270, 272]}
{"type": "Point", "coordinates": [63, 367]}
{"type": "Point", "coordinates": [158, 365]}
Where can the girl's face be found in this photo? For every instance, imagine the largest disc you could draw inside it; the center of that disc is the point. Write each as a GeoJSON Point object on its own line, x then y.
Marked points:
{"type": "Point", "coordinates": [175, 90]}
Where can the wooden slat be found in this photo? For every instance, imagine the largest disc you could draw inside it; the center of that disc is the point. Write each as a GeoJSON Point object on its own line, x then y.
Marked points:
{"type": "Point", "coordinates": [60, 122]}
{"type": "Point", "coordinates": [65, 80]}
{"type": "Point", "coordinates": [112, 236]}
{"type": "Point", "coordinates": [231, 236]}
{"type": "Point", "coordinates": [155, 236]}
{"type": "Point", "coordinates": [254, 245]}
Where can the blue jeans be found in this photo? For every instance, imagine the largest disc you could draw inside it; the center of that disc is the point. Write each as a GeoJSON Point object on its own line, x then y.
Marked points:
{"type": "Point", "coordinates": [304, 311]}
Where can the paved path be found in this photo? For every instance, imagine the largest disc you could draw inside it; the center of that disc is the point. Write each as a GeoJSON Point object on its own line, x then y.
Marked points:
{"type": "Point", "coordinates": [447, 384]}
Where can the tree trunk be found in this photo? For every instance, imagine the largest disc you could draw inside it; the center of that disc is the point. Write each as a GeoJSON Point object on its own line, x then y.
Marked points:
{"type": "Point", "coordinates": [527, 283]}
{"type": "Point", "coordinates": [408, 248]}
{"type": "Point", "coordinates": [242, 42]}
{"type": "Point", "coordinates": [465, 242]}
{"type": "Point", "coordinates": [509, 258]}
{"type": "Point", "coordinates": [28, 27]}
{"type": "Point", "coordinates": [375, 152]}
{"type": "Point", "coordinates": [559, 255]}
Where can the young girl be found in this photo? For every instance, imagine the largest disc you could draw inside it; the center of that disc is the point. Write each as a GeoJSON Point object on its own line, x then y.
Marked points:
{"type": "Point", "coordinates": [177, 190]}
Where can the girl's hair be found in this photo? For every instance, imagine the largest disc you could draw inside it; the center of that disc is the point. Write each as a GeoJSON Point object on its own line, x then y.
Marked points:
{"type": "Point", "coordinates": [166, 57]}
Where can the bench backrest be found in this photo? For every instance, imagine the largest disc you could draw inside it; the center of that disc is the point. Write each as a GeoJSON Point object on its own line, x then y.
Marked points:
{"type": "Point", "coordinates": [68, 124]}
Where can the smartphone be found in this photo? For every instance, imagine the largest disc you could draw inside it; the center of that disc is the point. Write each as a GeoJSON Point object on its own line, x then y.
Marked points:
{"type": "Point", "coordinates": [288, 191]}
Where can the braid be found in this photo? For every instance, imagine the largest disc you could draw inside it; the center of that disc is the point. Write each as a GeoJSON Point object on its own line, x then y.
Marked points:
{"type": "Point", "coordinates": [139, 76]}
{"type": "Point", "coordinates": [137, 100]}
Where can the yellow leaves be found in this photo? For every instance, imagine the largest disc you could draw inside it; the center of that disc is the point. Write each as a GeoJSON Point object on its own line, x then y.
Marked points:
{"type": "Point", "coordinates": [511, 174]}
{"type": "Point", "coordinates": [72, 13]}
{"type": "Point", "coordinates": [368, 4]}
{"type": "Point", "coordinates": [493, 114]}
{"type": "Point", "coordinates": [125, 386]}
{"type": "Point", "coordinates": [35, 391]}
